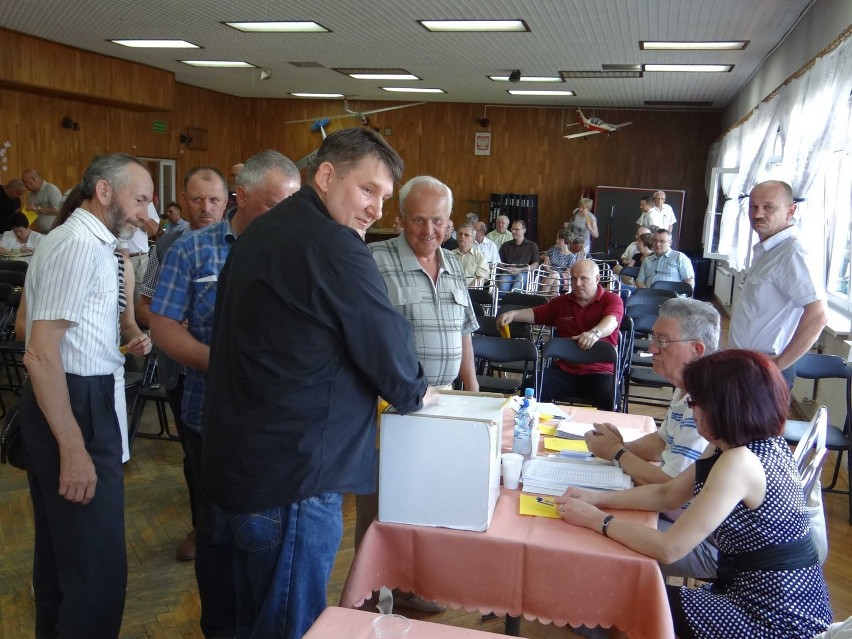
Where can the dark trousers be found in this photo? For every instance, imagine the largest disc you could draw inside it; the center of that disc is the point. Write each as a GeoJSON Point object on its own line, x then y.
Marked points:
{"type": "Point", "coordinates": [175, 397]}
{"type": "Point", "coordinates": [594, 388]}
{"type": "Point", "coordinates": [80, 559]}
{"type": "Point", "coordinates": [214, 553]}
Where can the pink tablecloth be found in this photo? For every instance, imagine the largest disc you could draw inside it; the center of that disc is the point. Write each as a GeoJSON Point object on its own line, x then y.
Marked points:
{"type": "Point", "coordinates": [540, 568]}
{"type": "Point", "coordinates": [340, 623]}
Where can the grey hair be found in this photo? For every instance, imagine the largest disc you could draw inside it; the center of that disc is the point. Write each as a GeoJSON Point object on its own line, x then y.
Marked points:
{"type": "Point", "coordinates": [257, 166]}
{"type": "Point", "coordinates": [698, 320]}
{"type": "Point", "coordinates": [110, 167]}
{"type": "Point", "coordinates": [467, 225]}
{"type": "Point", "coordinates": [425, 181]}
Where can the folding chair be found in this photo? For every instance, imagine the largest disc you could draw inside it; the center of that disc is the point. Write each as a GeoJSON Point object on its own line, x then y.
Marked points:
{"type": "Point", "coordinates": [567, 350]}
{"type": "Point", "coordinates": [816, 367]}
{"type": "Point", "coordinates": [150, 391]}
{"type": "Point", "coordinates": [497, 350]}
{"type": "Point", "coordinates": [683, 289]}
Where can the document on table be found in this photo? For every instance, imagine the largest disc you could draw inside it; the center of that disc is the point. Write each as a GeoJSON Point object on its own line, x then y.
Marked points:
{"type": "Point", "coordinates": [552, 476]}
{"type": "Point", "coordinates": [538, 507]}
{"type": "Point", "coordinates": [577, 430]}
{"type": "Point", "coordinates": [559, 444]}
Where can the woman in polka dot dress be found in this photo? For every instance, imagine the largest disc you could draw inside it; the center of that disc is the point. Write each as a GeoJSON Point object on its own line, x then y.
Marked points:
{"type": "Point", "coordinates": [747, 491]}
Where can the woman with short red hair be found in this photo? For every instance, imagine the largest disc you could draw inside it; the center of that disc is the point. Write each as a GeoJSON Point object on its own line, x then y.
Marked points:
{"type": "Point", "coordinates": [747, 492]}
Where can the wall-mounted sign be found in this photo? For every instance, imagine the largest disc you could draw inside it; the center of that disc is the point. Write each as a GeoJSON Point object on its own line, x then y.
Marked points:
{"type": "Point", "coordinates": [159, 126]}
{"type": "Point", "coordinates": [482, 143]}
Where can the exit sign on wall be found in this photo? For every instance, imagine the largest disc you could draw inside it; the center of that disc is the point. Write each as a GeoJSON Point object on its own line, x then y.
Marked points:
{"type": "Point", "coordinates": [159, 126]}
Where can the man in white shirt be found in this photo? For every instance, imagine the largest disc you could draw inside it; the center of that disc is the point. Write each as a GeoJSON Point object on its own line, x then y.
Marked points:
{"type": "Point", "coordinates": [782, 308]}
{"type": "Point", "coordinates": [652, 216]}
{"type": "Point", "coordinates": [473, 261]}
{"type": "Point", "coordinates": [136, 247]}
{"type": "Point", "coordinates": [666, 212]}
{"type": "Point", "coordinates": [44, 198]}
{"type": "Point", "coordinates": [72, 437]}
{"type": "Point", "coordinates": [488, 248]}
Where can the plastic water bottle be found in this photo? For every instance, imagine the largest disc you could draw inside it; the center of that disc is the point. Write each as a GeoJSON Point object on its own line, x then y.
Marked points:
{"type": "Point", "coordinates": [522, 442]}
{"type": "Point", "coordinates": [529, 395]}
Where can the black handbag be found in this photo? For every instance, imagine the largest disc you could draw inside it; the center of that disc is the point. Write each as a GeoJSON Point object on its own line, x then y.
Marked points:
{"type": "Point", "coordinates": [11, 442]}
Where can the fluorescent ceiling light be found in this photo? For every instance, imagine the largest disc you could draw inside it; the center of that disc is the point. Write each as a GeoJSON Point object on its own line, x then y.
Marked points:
{"type": "Point", "coordinates": [224, 64]}
{"type": "Point", "coordinates": [527, 78]}
{"type": "Point", "coordinates": [690, 68]}
{"type": "Point", "coordinates": [318, 95]}
{"type": "Point", "coordinates": [383, 76]}
{"type": "Point", "coordinates": [545, 93]}
{"type": "Point", "coordinates": [732, 45]}
{"type": "Point", "coordinates": [279, 27]}
{"type": "Point", "coordinates": [157, 44]}
{"type": "Point", "coordinates": [412, 90]}
{"type": "Point", "coordinates": [474, 25]}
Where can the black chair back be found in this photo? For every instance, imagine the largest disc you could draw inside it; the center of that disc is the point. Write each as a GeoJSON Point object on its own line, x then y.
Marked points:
{"type": "Point", "coordinates": [15, 278]}
{"type": "Point", "coordinates": [567, 349]}
{"type": "Point", "coordinates": [14, 265]}
{"type": "Point", "coordinates": [681, 288]}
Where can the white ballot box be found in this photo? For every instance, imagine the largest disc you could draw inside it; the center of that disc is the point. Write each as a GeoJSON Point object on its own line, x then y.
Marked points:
{"type": "Point", "coordinates": [441, 466]}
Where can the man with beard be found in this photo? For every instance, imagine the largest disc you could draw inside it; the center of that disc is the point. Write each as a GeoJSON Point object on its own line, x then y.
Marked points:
{"type": "Point", "coordinates": [72, 438]}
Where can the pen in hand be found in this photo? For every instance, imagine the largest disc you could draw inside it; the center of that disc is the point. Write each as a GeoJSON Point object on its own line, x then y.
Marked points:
{"type": "Point", "coordinates": [545, 502]}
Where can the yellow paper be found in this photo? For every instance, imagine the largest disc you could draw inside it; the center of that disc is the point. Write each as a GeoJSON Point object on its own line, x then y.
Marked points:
{"type": "Point", "coordinates": [31, 215]}
{"type": "Point", "coordinates": [530, 506]}
{"type": "Point", "coordinates": [504, 331]}
{"type": "Point", "coordinates": [546, 429]}
{"type": "Point", "coordinates": [558, 443]}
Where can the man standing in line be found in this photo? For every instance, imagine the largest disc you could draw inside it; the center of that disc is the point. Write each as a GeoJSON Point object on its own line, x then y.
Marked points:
{"type": "Point", "coordinates": [44, 198]}
{"type": "Point", "coordinates": [304, 343]}
{"type": "Point", "coordinates": [204, 196]}
{"type": "Point", "coordinates": [71, 435]}
{"type": "Point", "coordinates": [782, 310]}
{"type": "Point", "coordinates": [666, 264]}
{"type": "Point", "coordinates": [182, 325]}
{"type": "Point", "coordinates": [667, 215]}
{"type": "Point", "coordinates": [501, 233]}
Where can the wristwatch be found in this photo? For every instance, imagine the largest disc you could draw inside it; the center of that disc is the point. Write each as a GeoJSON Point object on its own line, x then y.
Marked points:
{"type": "Point", "coordinates": [596, 332]}
{"type": "Point", "coordinates": [617, 457]}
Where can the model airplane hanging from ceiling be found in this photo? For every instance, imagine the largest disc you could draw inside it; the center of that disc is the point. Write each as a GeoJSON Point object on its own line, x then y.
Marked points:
{"type": "Point", "coordinates": [593, 126]}
{"type": "Point", "coordinates": [361, 116]}
{"type": "Point", "coordinates": [319, 124]}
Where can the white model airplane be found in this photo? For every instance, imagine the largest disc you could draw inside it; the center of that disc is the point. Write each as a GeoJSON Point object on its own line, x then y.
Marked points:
{"type": "Point", "coordinates": [593, 126]}
{"type": "Point", "coordinates": [318, 125]}
{"type": "Point", "coordinates": [361, 116]}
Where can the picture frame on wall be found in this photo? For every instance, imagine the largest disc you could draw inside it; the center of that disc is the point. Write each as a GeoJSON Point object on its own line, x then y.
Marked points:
{"type": "Point", "coordinates": [482, 143]}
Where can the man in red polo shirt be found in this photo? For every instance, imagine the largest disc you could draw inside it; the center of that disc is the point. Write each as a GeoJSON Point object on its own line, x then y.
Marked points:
{"type": "Point", "coordinates": [587, 314]}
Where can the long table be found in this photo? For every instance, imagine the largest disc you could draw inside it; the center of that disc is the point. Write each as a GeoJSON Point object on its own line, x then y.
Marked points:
{"type": "Point", "coordinates": [340, 623]}
{"type": "Point", "coordinates": [534, 567]}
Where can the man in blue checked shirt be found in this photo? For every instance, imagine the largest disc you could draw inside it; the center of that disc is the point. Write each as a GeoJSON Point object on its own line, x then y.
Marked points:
{"type": "Point", "coordinates": [685, 330]}
{"type": "Point", "coordinates": [666, 264]}
{"type": "Point", "coordinates": [182, 326]}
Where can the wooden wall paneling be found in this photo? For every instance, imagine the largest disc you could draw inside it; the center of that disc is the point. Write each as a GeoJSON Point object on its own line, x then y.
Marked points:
{"type": "Point", "coordinates": [41, 66]}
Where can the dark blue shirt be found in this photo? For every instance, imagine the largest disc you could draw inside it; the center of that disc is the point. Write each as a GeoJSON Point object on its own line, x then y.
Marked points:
{"type": "Point", "coordinates": [305, 340]}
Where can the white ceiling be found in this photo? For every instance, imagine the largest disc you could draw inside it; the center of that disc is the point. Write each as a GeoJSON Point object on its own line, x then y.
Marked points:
{"type": "Point", "coordinates": [575, 35]}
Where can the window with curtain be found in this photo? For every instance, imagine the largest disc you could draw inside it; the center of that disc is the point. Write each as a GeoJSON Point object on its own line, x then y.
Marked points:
{"type": "Point", "coordinates": [836, 195]}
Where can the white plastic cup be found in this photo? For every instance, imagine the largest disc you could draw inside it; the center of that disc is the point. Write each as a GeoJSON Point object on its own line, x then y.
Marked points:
{"type": "Point", "coordinates": [391, 627]}
{"type": "Point", "coordinates": [512, 463]}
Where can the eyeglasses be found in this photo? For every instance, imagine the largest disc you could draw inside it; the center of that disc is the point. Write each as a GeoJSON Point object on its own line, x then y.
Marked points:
{"type": "Point", "coordinates": [691, 402]}
{"type": "Point", "coordinates": [663, 343]}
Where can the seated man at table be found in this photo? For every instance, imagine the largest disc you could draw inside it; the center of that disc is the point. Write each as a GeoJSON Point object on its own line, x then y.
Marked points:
{"type": "Point", "coordinates": [587, 314]}
{"type": "Point", "coordinates": [20, 240]}
{"type": "Point", "coordinates": [685, 330]}
{"type": "Point", "coordinates": [666, 264]}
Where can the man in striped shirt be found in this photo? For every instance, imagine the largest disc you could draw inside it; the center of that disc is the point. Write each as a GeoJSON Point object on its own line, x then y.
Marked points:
{"type": "Point", "coordinates": [70, 429]}
{"type": "Point", "coordinates": [685, 330]}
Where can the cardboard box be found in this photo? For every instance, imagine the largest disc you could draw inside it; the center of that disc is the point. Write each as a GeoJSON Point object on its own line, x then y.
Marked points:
{"type": "Point", "coordinates": [441, 466]}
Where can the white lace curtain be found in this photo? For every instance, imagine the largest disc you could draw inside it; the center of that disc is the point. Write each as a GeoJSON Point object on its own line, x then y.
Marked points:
{"type": "Point", "coordinates": [807, 112]}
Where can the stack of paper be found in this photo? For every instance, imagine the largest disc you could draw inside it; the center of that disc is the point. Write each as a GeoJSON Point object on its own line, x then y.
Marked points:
{"type": "Point", "coordinates": [552, 476]}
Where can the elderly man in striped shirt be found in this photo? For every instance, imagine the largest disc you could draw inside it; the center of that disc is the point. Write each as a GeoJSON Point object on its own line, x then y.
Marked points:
{"type": "Point", "coordinates": [70, 429]}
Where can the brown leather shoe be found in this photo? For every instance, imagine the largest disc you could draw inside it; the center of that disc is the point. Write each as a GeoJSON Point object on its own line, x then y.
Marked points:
{"type": "Point", "coordinates": [186, 551]}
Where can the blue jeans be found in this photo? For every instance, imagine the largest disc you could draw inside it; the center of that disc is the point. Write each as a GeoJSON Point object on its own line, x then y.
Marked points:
{"type": "Point", "coordinates": [507, 282]}
{"type": "Point", "coordinates": [214, 552]}
{"type": "Point", "coordinates": [282, 563]}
